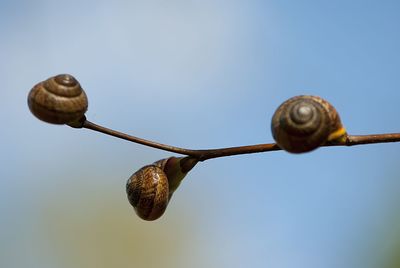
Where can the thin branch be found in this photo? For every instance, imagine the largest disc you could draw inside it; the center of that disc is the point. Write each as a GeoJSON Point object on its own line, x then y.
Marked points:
{"type": "Point", "coordinates": [203, 155]}
{"type": "Point", "coordinates": [89, 125]}
{"type": "Point", "coordinates": [376, 138]}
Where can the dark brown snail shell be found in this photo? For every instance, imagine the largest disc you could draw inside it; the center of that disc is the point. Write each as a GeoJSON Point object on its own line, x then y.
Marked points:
{"type": "Point", "coordinates": [303, 123]}
{"type": "Point", "coordinates": [58, 100]}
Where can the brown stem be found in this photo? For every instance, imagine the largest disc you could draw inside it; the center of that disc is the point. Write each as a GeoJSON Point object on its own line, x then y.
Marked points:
{"type": "Point", "coordinates": [377, 138]}
{"type": "Point", "coordinates": [202, 155]}
{"type": "Point", "coordinates": [89, 125]}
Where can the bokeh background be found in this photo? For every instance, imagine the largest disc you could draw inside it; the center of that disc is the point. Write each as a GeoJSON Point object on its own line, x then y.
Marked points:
{"type": "Point", "coordinates": [200, 74]}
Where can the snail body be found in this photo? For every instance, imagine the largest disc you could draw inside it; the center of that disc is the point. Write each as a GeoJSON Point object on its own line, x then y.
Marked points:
{"type": "Point", "coordinates": [150, 188]}
{"type": "Point", "coordinates": [58, 100]}
{"type": "Point", "coordinates": [303, 123]}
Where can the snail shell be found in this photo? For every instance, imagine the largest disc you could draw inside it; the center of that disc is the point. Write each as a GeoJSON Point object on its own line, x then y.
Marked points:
{"type": "Point", "coordinates": [303, 123]}
{"type": "Point", "coordinates": [58, 100]}
{"type": "Point", "coordinates": [148, 192]}
{"type": "Point", "coordinates": [150, 188]}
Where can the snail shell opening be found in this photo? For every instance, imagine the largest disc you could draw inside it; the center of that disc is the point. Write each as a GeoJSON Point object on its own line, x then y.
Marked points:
{"type": "Point", "coordinates": [58, 100]}
{"type": "Point", "coordinates": [303, 123]}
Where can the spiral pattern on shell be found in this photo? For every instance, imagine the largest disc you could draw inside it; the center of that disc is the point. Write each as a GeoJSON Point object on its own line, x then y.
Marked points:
{"type": "Point", "coordinates": [148, 192]}
{"type": "Point", "coordinates": [58, 100]}
{"type": "Point", "coordinates": [303, 123]}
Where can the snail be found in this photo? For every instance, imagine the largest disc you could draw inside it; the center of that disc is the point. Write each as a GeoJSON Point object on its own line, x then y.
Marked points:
{"type": "Point", "coordinates": [303, 123]}
{"type": "Point", "coordinates": [150, 188]}
{"type": "Point", "coordinates": [58, 100]}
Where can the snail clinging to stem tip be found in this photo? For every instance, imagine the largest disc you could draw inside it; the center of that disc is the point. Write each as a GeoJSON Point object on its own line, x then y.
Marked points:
{"type": "Point", "coordinates": [58, 100]}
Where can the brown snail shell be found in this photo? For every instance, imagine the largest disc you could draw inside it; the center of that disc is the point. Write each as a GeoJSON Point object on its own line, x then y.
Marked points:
{"type": "Point", "coordinates": [58, 100]}
{"type": "Point", "coordinates": [148, 192]}
{"type": "Point", "coordinates": [303, 123]}
{"type": "Point", "coordinates": [150, 188]}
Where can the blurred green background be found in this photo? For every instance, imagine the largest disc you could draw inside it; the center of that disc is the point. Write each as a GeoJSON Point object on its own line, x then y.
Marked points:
{"type": "Point", "coordinates": [200, 74]}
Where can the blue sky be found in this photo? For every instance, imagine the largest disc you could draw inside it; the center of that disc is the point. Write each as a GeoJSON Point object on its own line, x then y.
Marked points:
{"type": "Point", "coordinates": [199, 74]}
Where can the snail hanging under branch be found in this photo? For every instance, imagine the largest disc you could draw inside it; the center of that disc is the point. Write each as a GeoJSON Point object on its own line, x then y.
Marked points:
{"type": "Point", "coordinates": [150, 188]}
{"type": "Point", "coordinates": [58, 100]}
{"type": "Point", "coordinates": [303, 123]}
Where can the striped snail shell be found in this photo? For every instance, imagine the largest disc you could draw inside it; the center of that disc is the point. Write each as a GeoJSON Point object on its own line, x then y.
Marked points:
{"type": "Point", "coordinates": [303, 123]}
{"type": "Point", "coordinates": [148, 192]}
{"type": "Point", "coordinates": [58, 100]}
{"type": "Point", "coordinates": [150, 188]}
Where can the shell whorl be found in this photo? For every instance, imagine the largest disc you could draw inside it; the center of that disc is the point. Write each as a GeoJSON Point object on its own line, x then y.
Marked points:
{"type": "Point", "coordinates": [303, 123]}
{"type": "Point", "coordinates": [58, 100]}
{"type": "Point", "coordinates": [148, 192]}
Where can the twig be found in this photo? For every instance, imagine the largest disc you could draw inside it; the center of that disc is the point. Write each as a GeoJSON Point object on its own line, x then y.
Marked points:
{"type": "Point", "coordinates": [206, 154]}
